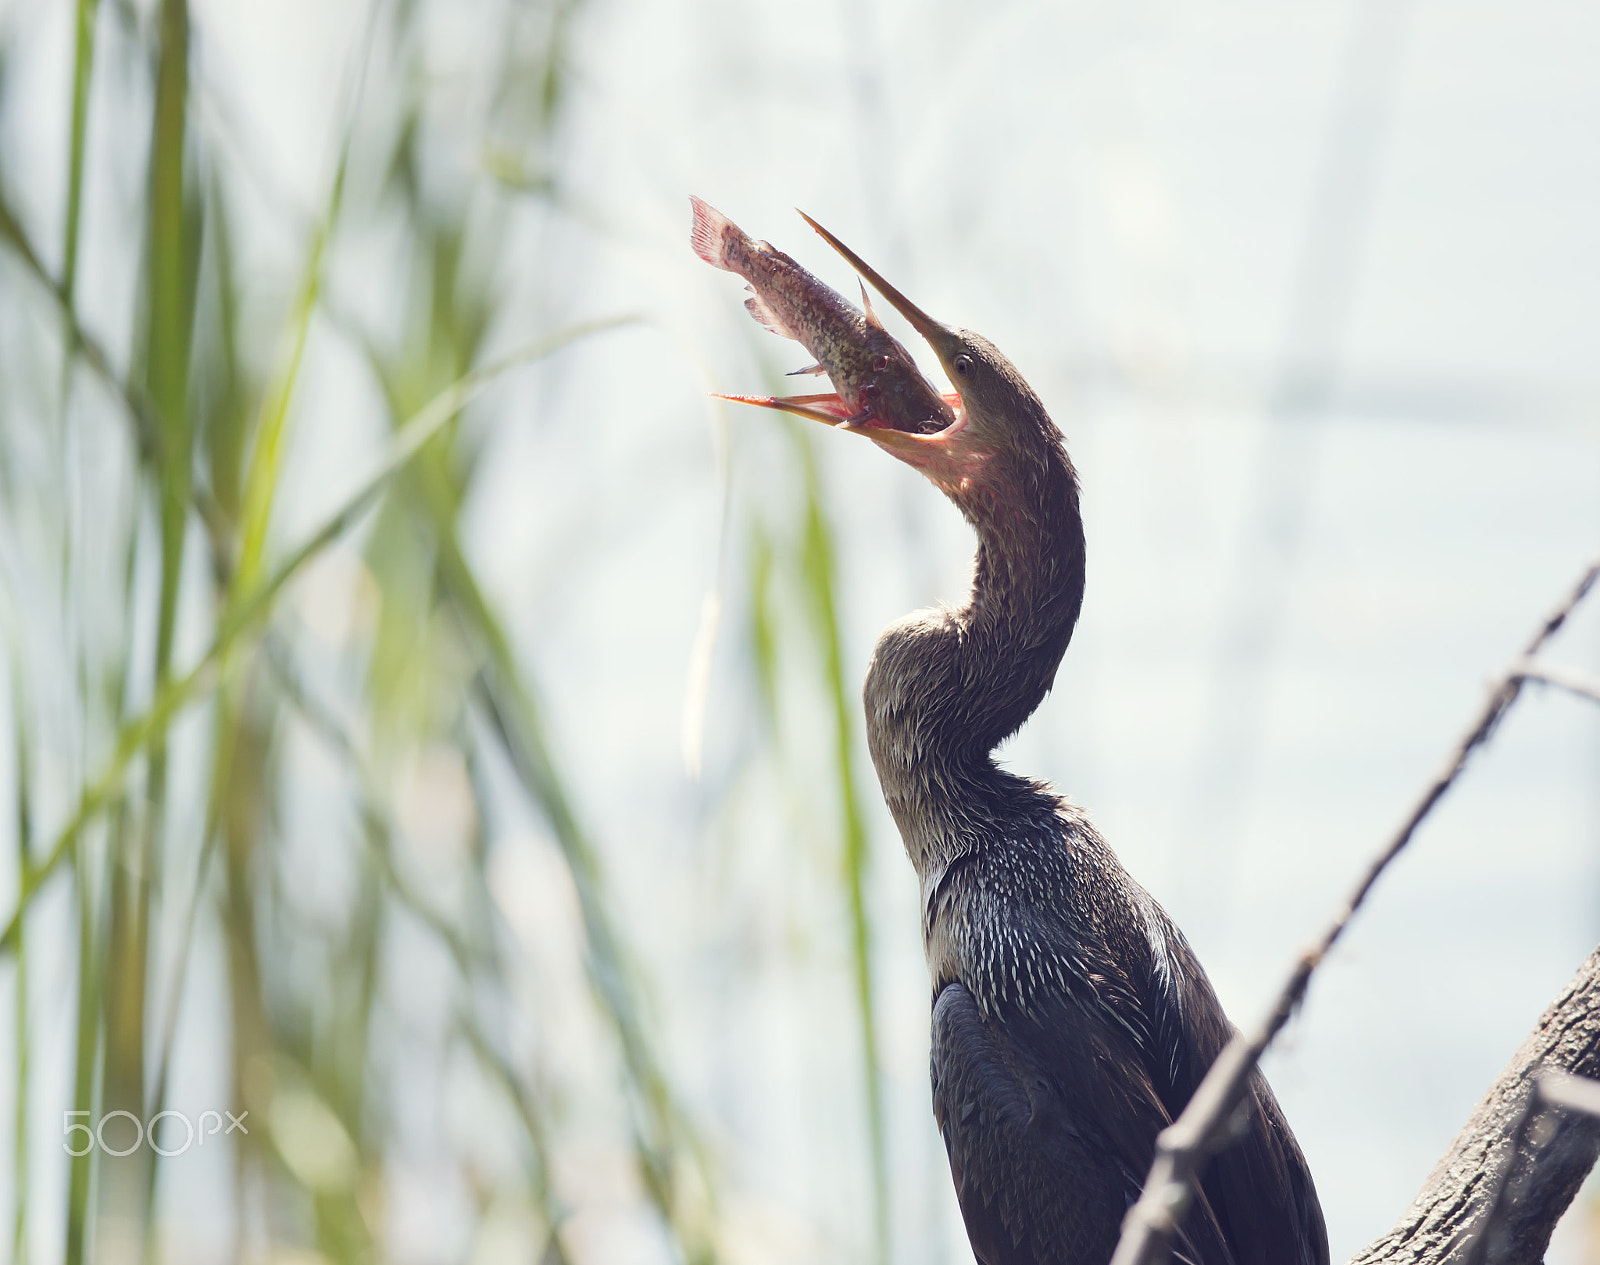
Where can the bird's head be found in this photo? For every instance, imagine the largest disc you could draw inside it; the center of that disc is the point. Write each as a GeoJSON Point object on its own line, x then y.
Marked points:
{"type": "Point", "coordinates": [1001, 429]}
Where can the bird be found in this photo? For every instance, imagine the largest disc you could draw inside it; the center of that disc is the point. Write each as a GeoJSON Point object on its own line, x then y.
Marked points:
{"type": "Point", "coordinates": [1071, 1020]}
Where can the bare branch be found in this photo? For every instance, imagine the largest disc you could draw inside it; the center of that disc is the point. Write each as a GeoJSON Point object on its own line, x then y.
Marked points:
{"type": "Point", "coordinates": [1563, 1092]}
{"type": "Point", "coordinates": [1185, 1145]}
{"type": "Point", "coordinates": [1511, 1172]}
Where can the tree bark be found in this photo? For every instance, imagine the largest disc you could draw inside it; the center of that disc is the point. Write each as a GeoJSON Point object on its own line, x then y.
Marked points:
{"type": "Point", "coordinates": [1558, 1150]}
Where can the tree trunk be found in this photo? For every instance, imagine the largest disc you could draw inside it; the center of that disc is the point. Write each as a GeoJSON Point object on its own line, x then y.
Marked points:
{"type": "Point", "coordinates": [1558, 1150]}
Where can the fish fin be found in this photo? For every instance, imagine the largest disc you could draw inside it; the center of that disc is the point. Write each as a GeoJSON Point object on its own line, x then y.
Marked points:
{"type": "Point", "coordinates": [766, 315]}
{"type": "Point", "coordinates": [708, 233]}
{"type": "Point", "coordinates": [866, 303]}
{"type": "Point", "coordinates": [795, 373]}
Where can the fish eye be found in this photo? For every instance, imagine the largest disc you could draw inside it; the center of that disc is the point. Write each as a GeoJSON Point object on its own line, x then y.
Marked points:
{"type": "Point", "coordinates": [963, 365]}
{"type": "Point", "coordinates": [880, 363]}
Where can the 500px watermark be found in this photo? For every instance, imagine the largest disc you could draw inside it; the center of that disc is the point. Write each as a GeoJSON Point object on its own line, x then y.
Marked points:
{"type": "Point", "coordinates": [142, 1132]}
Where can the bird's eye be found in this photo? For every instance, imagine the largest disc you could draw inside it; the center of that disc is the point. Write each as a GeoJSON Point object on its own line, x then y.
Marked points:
{"type": "Point", "coordinates": [964, 366]}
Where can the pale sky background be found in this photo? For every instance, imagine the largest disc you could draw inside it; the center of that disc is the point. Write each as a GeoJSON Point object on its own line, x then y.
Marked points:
{"type": "Point", "coordinates": [1312, 289]}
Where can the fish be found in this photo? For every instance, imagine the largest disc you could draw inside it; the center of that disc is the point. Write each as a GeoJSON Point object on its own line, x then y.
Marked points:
{"type": "Point", "coordinates": [876, 383]}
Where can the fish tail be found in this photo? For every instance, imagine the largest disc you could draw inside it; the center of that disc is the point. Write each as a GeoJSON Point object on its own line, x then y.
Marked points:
{"type": "Point", "coordinates": [708, 235]}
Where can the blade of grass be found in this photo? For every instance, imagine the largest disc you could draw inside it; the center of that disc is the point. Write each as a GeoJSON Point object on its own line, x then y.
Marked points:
{"type": "Point", "coordinates": [82, 68]}
{"type": "Point", "coordinates": [663, 1133]}
{"type": "Point", "coordinates": [170, 319]}
{"type": "Point", "coordinates": [223, 425]}
{"type": "Point", "coordinates": [147, 430]}
{"type": "Point", "coordinates": [266, 457]}
{"type": "Point", "coordinates": [148, 437]}
{"type": "Point", "coordinates": [85, 1066]}
{"type": "Point", "coordinates": [762, 631]}
{"type": "Point", "coordinates": [528, 1113]}
{"type": "Point", "coordinates": [87, 982]}
{"type": "Point", "coordinates": [469, 960]}
{"type": "Point", "coordinates": [260, 485]}
{"type": "Point", "coordinates": [820, 570]}
{"type": "Point", "coordinates": [243, 619]}
{"type": "Point", "coordinates": [24, 827]}
{"type": "Point", "coordinates": [248, 1024]}
{"type": "Point", "coordinates": [222, 766]}
{"type": "Point", "coordinates": [225, 420]}
{"type": "Point", "coordinates": [662, 1130]}
{"type": "Point", "coordinates": [168, 336]}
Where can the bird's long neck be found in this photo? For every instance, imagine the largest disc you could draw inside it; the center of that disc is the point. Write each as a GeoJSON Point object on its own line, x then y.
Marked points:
{"type": "Point", "coordinates": [946, 687]}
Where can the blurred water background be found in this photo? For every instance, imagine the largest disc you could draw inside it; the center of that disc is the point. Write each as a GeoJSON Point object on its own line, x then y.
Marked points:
{"type": "Point", "coordinates": [482, 806]}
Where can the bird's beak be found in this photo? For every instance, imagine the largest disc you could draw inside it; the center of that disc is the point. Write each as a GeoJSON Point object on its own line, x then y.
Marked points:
{"type": "Point", "coordinates": [827, 408]}
{"type": "Point", "coordinates": [830, 410]}
{"type": "Point", "coordinates": [940, 337]}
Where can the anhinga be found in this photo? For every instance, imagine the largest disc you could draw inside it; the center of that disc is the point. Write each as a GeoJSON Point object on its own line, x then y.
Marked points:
{"type": "Point", "coordinates": [1071, 1019]}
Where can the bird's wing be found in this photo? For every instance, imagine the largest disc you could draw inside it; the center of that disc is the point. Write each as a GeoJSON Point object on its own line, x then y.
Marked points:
{"type": "Point", "coordinates": [1259, 1186]}
{"type": "Point", "coordinates": [1263, 1186]}
{"type": "Point", "coordinates": [1048, 1145]}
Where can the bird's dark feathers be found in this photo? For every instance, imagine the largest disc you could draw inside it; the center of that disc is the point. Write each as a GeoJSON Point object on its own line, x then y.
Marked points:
{"type": "Point", "coordinates": [1079, 1032]}
{"type": "Point", "coordinates": [1045, 1168]}
{"type": "Point", "coordinates": [1071, 1020]}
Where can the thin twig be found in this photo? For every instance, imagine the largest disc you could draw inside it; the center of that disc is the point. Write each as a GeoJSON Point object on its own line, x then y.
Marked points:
{"type": "Point", "coordinates": [1583, 684]}
{"type": "Point", "coordinates": [1185, 1145]}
